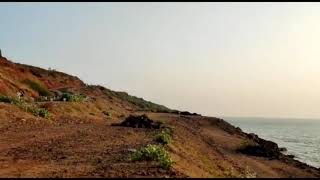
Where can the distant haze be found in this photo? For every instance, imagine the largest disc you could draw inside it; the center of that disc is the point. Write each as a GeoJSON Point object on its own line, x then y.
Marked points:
{"type": "Point", "coordinates": [218, 59]}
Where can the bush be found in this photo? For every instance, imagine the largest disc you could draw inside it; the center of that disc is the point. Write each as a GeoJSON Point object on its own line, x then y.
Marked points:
{"type": "Point", "coordinates": [37, 87]}
{"type": "Point", "coordinates": [41, 112]}
{"type": "Point", "coordinates": [66, 96]}
{"type": "Point", "coordinates": [153, 153]}
{"type": "Point", "coordinates": [73, 98]}
{"type": "Point", "coordinates": [164, 137]}
{"type": "Point", "coordinates": [77, 98]}
{"type": "Point", "coordinates": [8, 99]}
{"type": "Point", "coordinates": [168, 129]}
{"type": "Point", "coordinates": [139, 102]}
{"type": "Point", "coordinates": [5, 99]}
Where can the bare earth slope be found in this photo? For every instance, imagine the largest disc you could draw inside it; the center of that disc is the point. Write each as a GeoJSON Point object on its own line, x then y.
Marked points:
{"type": "Point", "coordinates": [78, 139]}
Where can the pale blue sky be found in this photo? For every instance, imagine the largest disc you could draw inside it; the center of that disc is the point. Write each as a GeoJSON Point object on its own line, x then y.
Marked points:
{"type": "Point", "coordinates": [219, 59]}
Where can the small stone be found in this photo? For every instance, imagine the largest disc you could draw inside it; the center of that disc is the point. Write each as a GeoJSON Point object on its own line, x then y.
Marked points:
{"type": "Point", "coordinates": [282, 149]}
{"type": "Point", "coordinates": [132, 150]}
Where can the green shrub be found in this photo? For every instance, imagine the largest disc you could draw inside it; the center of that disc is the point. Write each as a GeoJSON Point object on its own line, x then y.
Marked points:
{"type": "Point", "coordinates": [77, 98]}
{"type": "Point", "coordinates": [43, 91]}
{"type": "Point", "coordinates": [8, 99]}
{"type": "Point", "coordinates": [168, 129]}
{"type": "Point", "coordinates": [153, 153]}
{"type": "Point", "coordinates": [164, 137]}
{"type": "Point", "coordinates": [66, 96]}
{"type": "Point", "coordinates": [5, 99]}
{"type": "Point", "coordinates": [139, 102]}
{"type": "Point", "coordinates": [41, 112]}
{"type": "Point", "coordinates": [73, 97]}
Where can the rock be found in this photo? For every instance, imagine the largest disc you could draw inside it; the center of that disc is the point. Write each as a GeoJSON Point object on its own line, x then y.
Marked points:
{"type": "Point", "coordinates": [139, 122]}
{"type": "Point", "coordinates": [261, 147]}
{"type": "Point", "coordinates": [283, 149]}
{"type": "Point", "coordinates": [175, 112]}
{"type": "Point", "coordinates": [253, 136]}
{"type": "Point", "coordinates": [132, 150]}
{"type": "Point", "coordinates": [291, 156]}
{"type": "Point", "coordinates": [188, 113]}
{"type": "Point", "coordinates": [196, 114]}
{"type": "Point", "coordinates": [238, 129]}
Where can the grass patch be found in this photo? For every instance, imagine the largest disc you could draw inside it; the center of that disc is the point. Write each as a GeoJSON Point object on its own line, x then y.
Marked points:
{"type": "Point", "coordinates": [73, 97]}
{"type": "Point", "coordinates": [40, 112]}
{"type": "Point", "coordinates": [168, 129]}
{"type": "Point", "coordinates": [43, 91]}
{"type": "Point", "coordinates": [140, 102]}
{"type": "Point", "coordinates": [164, 137]}
{"type": "Point", "coordinates": [7, 99]}
{"type": "Point", "coordinates": [153, 153]}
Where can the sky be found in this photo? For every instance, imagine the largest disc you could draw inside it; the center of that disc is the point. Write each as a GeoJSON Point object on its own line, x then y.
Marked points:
{"type": "Point", "coordinates": [217, 59]}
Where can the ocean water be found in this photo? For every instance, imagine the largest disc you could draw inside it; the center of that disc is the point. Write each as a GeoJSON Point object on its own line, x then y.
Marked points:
{"type": "Point", "coordinates": [301, 137]}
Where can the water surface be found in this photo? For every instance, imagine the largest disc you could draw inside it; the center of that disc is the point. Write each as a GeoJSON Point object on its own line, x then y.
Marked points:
{"type": "Point", "coordinates": [301, 137]}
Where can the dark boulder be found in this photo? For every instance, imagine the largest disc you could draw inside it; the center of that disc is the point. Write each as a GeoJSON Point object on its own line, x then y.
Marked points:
{"type": "Point", "coordinates": [253, 137]}
{"type": "Point", "coordinates": [189, 113]}
{"type": "Point", "coordinates": [175, 112]}
{"type": "Point", "coordinates": [185, 113]}
{"type": "Point", "coordinates": [261, 147]}
{"type": "Point", "coordinates": [291, 156]}
{"type": "Point", "coordinates": [283, 149]}
{"type": "Point", "coordinates": [142, 121]}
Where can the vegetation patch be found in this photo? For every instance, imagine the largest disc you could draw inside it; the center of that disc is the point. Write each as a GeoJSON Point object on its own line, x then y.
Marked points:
{"type": "Point", "coordinates": [40, 112]}
{"type": "Point", "coordinates": [153, 153]}
{"type": "Point", "coordinates": [163, 137]}
{"type": "Point", "coordinates": [140, 102]}
{"type": "Point", "coordinates": [168, 129]}
{"type": "Point", "coordinates": [43, 91]}
{"type": "Point", "coordinates": [7, 99]}
{"type": "Point", "coordinates": [73, 97]}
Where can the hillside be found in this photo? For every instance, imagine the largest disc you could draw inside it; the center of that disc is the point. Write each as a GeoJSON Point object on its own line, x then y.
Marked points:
{"type": "Point", "coordinates": [58, 126]}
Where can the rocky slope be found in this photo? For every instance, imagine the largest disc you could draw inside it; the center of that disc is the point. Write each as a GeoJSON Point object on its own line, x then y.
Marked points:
{"type": "Point", "coordinates": [59, 126]}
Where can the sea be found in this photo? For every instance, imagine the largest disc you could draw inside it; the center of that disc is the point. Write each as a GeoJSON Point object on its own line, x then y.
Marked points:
{"type": "Point", "coordinates": [301, 137]}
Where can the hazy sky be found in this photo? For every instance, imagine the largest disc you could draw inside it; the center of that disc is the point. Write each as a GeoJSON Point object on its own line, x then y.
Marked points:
{"type": "Point", "coordinates": [219, 59]}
